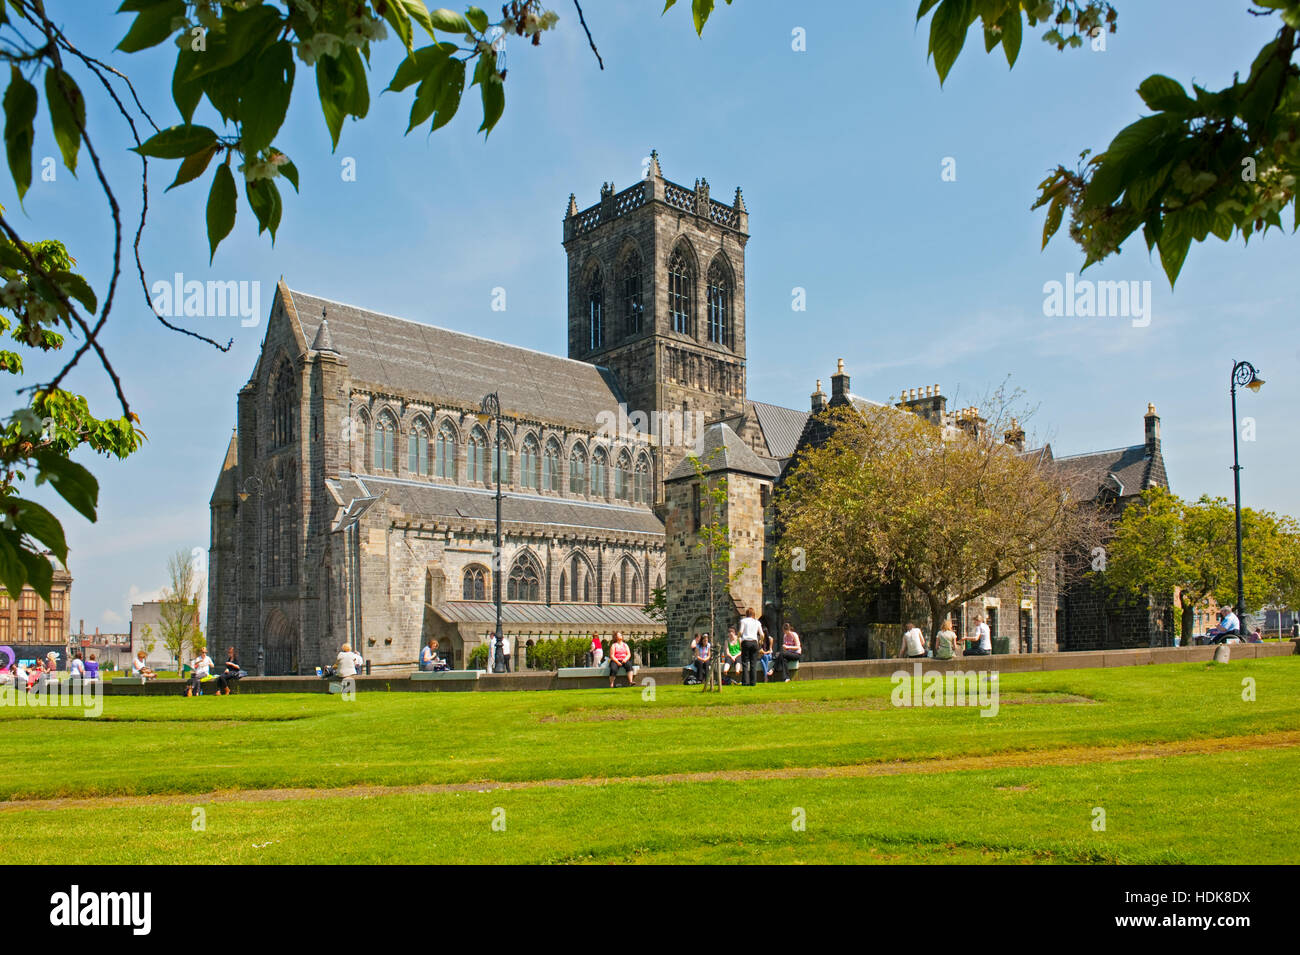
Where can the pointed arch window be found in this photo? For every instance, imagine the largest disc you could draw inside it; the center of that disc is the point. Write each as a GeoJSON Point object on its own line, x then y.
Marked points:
{"type": "Point", "coordinates": [445, 458]}
{"type": "Point", "coordinates": [529, 465]}
{"type": "Point", "coordinates": [385, 442]}
{"type": "Point", "coordinates": [577, 471]}
{"type": "Point", "coordinates": [551, 466]}
{"type": "Point", "coordinates": [641, 480]}
{"type": "Point", "coordinates": [475, 583]}
{"type": "Point", "coordinates": [417, 448]}
{"type": "Point", "coordinates": [596, 310]}
{"type": "Point", "coordinates": [284, 403]}
{"type": "Point", "coordinates": [501, 461]}
{"type": "Point", "coordinates": [476, 457]}
{"type": "Point", "coordinates": [564, 586]}
{"type": "Point", "coordinates": [681, 280]}
{"type": "Point", "coordinates": [623, 478]}
{"type": "Point", "coordinates": [599, 473]}
{"type": "Point", "coordinates": [719, 297]}
{"type": "Point", "coordinates": [630, 286]}
{"type": "Point", "coordinates": [525, 581]}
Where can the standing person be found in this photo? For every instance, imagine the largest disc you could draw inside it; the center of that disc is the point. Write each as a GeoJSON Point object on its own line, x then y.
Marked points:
{"type": "Point", "coordinates": [750, 630]}
{"type": "Point", "coordinates": [703, 651]}
{"type": "Point", "coordinates": [913, 643]}
{"type": "Point", "coordinates": [982, 638]}
{"type": "Point", "coordinates": [202, 667]}
{"type": "Point", "coordinates": [597, 650]}
{"type": "Point", "coordinates": [620, 655]}
{"type": "Point", "coordinates": [504, 648]}
{"type": "Point", "coordinates": [945, 644]}
{"type": "Point", "coordinates": [229, 673]}
{"type": "Point", "coordinates": [791, 649]}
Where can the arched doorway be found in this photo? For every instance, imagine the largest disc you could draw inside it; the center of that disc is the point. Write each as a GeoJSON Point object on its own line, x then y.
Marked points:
{"type": "Point", "coordinates": [281, 645]}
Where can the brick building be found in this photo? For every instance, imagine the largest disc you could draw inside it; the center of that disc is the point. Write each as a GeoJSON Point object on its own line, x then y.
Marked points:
{"type": "Point", "coordinates": [356, 500]}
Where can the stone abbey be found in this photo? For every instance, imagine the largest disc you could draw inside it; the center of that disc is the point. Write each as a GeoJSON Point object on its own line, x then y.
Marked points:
{"type": "Point", "coordinates": [356, 500]}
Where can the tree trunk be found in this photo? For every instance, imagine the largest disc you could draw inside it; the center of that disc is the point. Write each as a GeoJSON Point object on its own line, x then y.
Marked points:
{"type": "Point", "coordinates": [937, 611]}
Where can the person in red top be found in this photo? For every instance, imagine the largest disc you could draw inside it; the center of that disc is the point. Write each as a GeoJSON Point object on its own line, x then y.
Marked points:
{"type": "Point", "coordinates": [597, 650]}
{"type": "Point", "coordinates": [620, 655]}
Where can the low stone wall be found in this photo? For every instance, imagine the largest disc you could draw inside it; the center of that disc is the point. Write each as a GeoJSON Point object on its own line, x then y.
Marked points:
{"type": "Point", "coordinates": [672, 676]}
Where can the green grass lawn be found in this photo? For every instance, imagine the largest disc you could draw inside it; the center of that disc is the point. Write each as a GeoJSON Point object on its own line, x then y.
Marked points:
{"type": "Point", "coordinates": [1024, 785]}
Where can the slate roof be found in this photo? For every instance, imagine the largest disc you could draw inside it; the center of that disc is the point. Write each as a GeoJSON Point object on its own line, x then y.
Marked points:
{"type": "Point", "coordinates": [1125, 471]}
{"type": "Point", "coordinates": [542, 615]}
{"type": "Point", "coordinates": [781, 427]}
{"type": "Point", "coordinates": [225, 489]}
{"type": "Point", "coordinates": [405, 357]}
{"type": "Point", "coordinates": [722, 450]}
{"type": "Point", "coordinates": [419, 499]}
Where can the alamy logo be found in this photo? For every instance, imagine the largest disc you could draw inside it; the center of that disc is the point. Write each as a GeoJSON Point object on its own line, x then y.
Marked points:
{"type": "Point", "coordinates": [211, 299]}
{"type": "Point", "coordinates": [1085, 298]}
{"type": "Point", "coordinates": [953, 688]}
{"type": "Point", "coordinates": [666, 429]}
{"type": "Point", "coordinates": [73, 908]}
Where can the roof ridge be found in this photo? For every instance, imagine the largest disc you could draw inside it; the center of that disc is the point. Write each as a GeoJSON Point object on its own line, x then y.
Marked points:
{"type": "Point", "coordinates": [1087, 454]}
{"type": "Point", "coordinates": [451, 331]}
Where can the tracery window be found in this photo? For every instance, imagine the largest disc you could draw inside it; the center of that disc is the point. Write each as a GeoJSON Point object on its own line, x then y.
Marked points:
{"type": "Point", "coordinates": [681, 279]}
{"type": "Point", "coordinates": [719, 298]}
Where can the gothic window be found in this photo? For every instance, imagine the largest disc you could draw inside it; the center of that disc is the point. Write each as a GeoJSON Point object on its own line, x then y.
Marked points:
{"type": "Point", "coordinates": [623, 576]}
{"type": "Point", "coordinates": [475, 583]}
{"type": "Point", "coordinates": [365, 434]}
{"type": "Point", "coordinates": [599, 473]}
{"type": "Point", "coordinates": [503, 459]}
{"type": "Point", "coordinates": [613, 589]}
{"type": "Point", "coordinates": [564, 584]}
{"type": "Point", "coordinates": [623, 478]}
{"type": "Point", "coordinates": [719, 295]}
{"type": "Point", "coordinates": [417, 448]}
{"type": "Point", "coordinates": [586, 588]}
{"type": "Point", "coordinates": [525, 582]}
{"type": "Point", "coordinates": [281, 565]}
{"type": "Point", "coordinates": [385, 442]}
{"type": "Point", "coordinates": [681, 279]}
{"type": "Point", "coordinates": [633, 310]}
{"type": "Point", "coordinates": [476, 457]}
{"type": "Point", "coordinates": [529, 465]}
{"type": "Point", "coordinates": [641, 482]}
{"type": "Point", "coordinates": [445, 458]}
{"type": "Point", "coordinates": [596, 310]}
{"type": "Point", "coordinates": [577, 471]}
{"type": "Point", "coordinates": [551, 466]}
{"type": "Point", "coordinates": [284, 404]}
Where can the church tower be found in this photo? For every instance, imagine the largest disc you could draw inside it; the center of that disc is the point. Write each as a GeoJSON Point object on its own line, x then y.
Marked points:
{"type": "Point", "coordinates": [657, 295]}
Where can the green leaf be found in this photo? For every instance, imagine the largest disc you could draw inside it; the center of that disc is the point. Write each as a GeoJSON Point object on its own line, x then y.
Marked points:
{"type": "Point", "coordinates": [397, 14]}
{"type": "Point", "coordinates": [264, 198]}
{"type": "Point", "coordinates": [186, 92]}
{"type": "Point", "coordinates": [67, 114]}
{"type": "Point", "coordinates": [265, 101]}
{"type": "Point", "coordinates": [925, 7]}
{"type": "Point", "coordinates": [948, 34]}
{"type": "Point", "coordinates": [494, 102]}
{"type": "Point", "coordinates": [419, 13]}
{"type": "Point", "coordinates": [177, 142]}
{"type": "Point", "coordinates": [700, 11]}
{"type": "Point", "coordinates": [420, 64]}
{"type": "Point", "coordinates": [341, 83]}
{"type": "Point", "coordinates": [1162, 93]}
{"type": "Point", "coordinates": [193, 166]}
{"type": "Point", "coordinates": [1173, 251]}
{"type": "Point", "coordinates": [1053, 221]}
{"type": "Point", "coordinates": [75, 286]}
{"type": "Point", "coordinates": [13, 571]}
{"type": "Point", "coordinates": [449, 21]}
{"type": "Point", "coordinates": [1012, 34]}
{"type": "Point", "coordinates": [221, 208]}
{"type": "Point", "coordinates": [74, 483]}
{"type": "Point", "coordinates": [39, 573]}
{"type": "Point", "coordinates": [152, 26]}
{"type": "Point", "coordinates": [33, 519]}
{"type": "Point", "coordinates": [451, 87]}
{"type": "Point", "coordinates": [290, 172]}
{"type": "Point", "coordinates": [477, 18]}
{"type": "Point", "coordinates": [20, 113]}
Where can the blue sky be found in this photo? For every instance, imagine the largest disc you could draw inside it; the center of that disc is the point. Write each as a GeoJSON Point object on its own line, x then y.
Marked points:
{"type": "Point", "coordinates": [839, 149]}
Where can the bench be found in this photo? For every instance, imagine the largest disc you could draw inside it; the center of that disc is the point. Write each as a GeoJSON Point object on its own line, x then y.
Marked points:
{"type": "Point", "coordinates": [127, 681]}
{"type": "Point", "coordinates": [455, 675]}
{"type": "Point", "coordinates": [572, 672]}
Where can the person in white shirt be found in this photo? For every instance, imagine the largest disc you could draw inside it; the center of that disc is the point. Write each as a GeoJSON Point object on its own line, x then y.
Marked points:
{"type": "Point", "coordinates": [505, 648]}
{"type": "Point", "coordinates": [913, 642]}
{"type": "Point", "coordinates": [982, 638]}
{"type": "Point", "coordinates": [202, 667]}
{"type": "Point", "coordinates": [750, 632]}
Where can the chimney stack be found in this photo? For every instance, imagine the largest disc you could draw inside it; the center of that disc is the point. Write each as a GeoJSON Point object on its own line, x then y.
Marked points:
{"type": "Point", "coordinates": [1152, 421]}
{"type": "Point", "coordinates": [818, 399]}
{"type": "Point", "coordinates": [839, 384]}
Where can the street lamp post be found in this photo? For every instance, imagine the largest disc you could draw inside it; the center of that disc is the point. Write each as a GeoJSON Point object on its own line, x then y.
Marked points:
{"type": "Point", "coordinates": [490, 410]}
{"type": "Point", "coordinates": [1247, 376]}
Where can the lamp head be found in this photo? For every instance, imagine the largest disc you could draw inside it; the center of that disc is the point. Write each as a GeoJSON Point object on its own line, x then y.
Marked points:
{"type": "Point", "coordinates": [1255, 383]}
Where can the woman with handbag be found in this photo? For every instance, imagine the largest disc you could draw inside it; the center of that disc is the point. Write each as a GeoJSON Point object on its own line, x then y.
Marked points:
{"type": "Point", "coordinates": [230, 674]}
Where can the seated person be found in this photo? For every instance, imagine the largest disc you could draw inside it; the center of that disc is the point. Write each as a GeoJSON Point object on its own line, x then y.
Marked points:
{"type": "Point", "coordinates": [731, 656]}
{"type": "Point", "coordinates": [620, 655]}
{"type": "Point", "coordinates": [78, 668]}
{"type": "Point", "coordinates": [429, 655]}
{"type": "Point", "coordinates": [202, 667]}
{"type": "Point", "coordinates": [945, 647]}
{"type": "Point", "coordinates": [92, 668]}
{"type": "Point", "coordinates": [703, 650]}
{"type": "Point", "coordinates": [230, 673]}
{"type": "Point", "coordinates": [140, 668]}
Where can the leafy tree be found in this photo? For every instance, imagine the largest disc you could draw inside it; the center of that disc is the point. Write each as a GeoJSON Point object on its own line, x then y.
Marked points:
{"type": "Point", "coordinates": [179, 625]}
{"type": "Point", "coordinates": [949, 513]}
{"type": "Point", "coordinates": [713, 540]}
